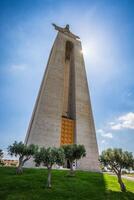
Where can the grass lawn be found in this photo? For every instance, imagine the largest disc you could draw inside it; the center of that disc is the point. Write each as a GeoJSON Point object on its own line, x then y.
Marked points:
{"type": "Point", "coordinates": [84, 186]}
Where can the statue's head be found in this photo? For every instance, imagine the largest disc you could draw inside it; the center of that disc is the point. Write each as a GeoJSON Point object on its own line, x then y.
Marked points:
{"type": "Point", "coordinates": [67, 27]}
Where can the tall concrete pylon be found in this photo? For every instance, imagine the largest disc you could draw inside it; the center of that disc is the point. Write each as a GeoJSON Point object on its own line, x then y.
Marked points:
{"type": "Point", "coordinates": [63, 113]}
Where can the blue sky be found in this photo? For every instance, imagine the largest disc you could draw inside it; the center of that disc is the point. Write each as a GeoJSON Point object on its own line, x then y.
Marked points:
{"type": "Point", "coordinates": [106, 29]}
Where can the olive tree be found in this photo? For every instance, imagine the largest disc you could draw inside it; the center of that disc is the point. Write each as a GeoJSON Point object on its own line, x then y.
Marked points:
{"type": "Point", "coordinates": [1, 157]}
{"type": "Point", "coordinates": [73, 152]}
{"type": "Point", "coordinates": [117, 160]}
{"type": "Point", "coordinates": [23, 151]}
{"type": "Point", "coordinates": [48, 157]}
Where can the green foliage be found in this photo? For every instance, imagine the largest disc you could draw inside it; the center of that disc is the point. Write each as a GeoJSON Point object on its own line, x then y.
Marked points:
{"type": "Point", "coordinates": [23, 151]}
{"type": "Point", "coordinates": [1, 154]}
{"type": "Point", "coordinates": [84, 186]}
{"type": "Point", "coordinates": [74, 152]}
{"type": "Point", "coordinates": [49, 156]}
{"type": "Point", "coordinates": [117, 160]}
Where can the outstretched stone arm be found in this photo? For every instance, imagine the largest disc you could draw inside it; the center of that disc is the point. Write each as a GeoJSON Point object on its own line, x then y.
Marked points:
{"type": "Point", "coordinates": [65, 30]}
{"type": "Point", "coordinates": [57, 27]}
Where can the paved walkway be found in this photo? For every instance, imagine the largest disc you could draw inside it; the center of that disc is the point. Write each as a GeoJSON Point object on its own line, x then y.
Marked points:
{"type": "Point", "coordinates": [123, 176]}
{"type": "Point", "coordinates": [128, 178]}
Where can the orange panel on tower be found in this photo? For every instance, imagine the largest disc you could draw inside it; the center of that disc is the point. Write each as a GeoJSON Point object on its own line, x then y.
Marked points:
{"type": "Point", "coordinates": [67, 131]}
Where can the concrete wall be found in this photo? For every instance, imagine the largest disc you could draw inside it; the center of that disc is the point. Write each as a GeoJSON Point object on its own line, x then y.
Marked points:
{"type": "Point", "coordinates": [85, 129]}
{"type": "Point", "coordinates": [45, 125]}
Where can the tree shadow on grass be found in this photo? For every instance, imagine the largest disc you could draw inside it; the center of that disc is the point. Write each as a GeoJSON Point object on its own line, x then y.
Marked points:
{"type": "Point", "coordinates": [119, 195]}
{"type": "Point", "coordinates": [84, 186]}
{"type": "Point", "coordinates": [94, 186]}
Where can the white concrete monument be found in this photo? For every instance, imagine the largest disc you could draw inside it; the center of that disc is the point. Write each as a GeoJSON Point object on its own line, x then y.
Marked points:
{"type": "Point", "coordinates": [63, 113]}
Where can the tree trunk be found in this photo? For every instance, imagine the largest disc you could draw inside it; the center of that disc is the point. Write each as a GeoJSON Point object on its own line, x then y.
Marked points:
{"type": "Point", "coordinates": [122, 186]}
{"type": "Point", "coordinates": [71, 168]}
{"type": "Point", "coordinates": [19, 169]}
{"type": "Point", "coordinates": [49, 178]}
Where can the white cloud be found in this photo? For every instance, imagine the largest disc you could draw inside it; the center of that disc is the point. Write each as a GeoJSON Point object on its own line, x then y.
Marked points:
{"type": "Point", "coordinates": [105, 134]}
{"type": "Point", "coordinates": [116, 127]}
{"type": "Point", "coordinates": [103, 141]}
{"type": "Point", "coordinates": [108, 135]}
{"type": "Point", "coordinates": [124, 122]}
{"type": "Point", "coordinates": [18, 67]}
{"type": "Point", "coordinates": [100, 131]}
